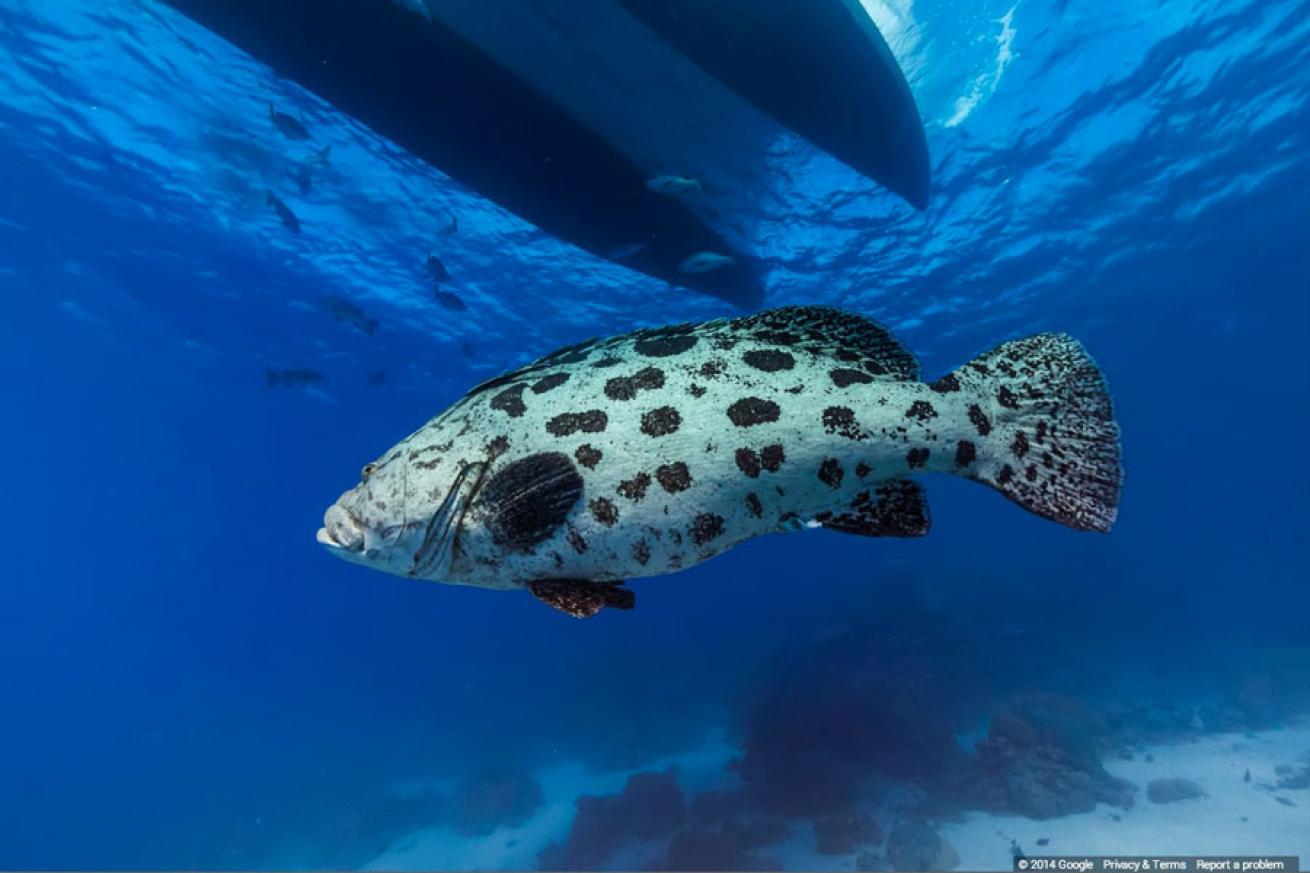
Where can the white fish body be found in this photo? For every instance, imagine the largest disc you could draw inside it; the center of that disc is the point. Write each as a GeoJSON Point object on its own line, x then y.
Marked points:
{"type": "Point", "coordinates": [651, 452]}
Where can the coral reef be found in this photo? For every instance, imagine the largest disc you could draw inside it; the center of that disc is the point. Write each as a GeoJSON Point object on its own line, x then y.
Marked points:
{"type": "Point", "coordinates": [843, 833]}
{"type": "Point", "coordinates": [1042, 758]}
{"type": "Point", "coordinates": [651, 806]}
{"type": "Point", "coordinates": [915, 846]}
{"type": "Point", "coordinates": [1292, 777]}
{"type": "Point", "coordinates": [729, 847]}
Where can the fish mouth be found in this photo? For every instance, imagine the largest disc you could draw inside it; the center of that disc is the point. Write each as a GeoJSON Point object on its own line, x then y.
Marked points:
{"type": "Point", "coordinates": [341, 530]}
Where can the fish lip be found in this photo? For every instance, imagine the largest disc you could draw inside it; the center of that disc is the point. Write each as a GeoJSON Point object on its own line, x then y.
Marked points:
{"type": "Point", "coordinates": [325, 539]}
{"type": "Point", "coordinates": [341, 530]}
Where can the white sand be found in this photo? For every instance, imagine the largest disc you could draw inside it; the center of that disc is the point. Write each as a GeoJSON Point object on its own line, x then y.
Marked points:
{"type": "Point", "coordinates": [1210, 825]}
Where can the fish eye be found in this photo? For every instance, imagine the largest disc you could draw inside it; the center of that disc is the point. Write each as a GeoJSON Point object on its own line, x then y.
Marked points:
{"type": "Point", "coordinates": [369, 470]}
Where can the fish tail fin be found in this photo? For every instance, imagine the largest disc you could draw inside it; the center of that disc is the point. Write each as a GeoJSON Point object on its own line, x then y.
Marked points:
{"type": "Point", "coordinates": [1048, 438]}
{"type": "Point", "coordinates": [272, 377]}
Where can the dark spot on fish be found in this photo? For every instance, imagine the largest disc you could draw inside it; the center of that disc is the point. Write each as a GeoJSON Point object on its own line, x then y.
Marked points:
{"type": "Point", "coordinates": [916, 458]}
{"type": "Point", "coordinates": [778, 337]}
{"type": "Point", "coordinates": [498, 446]}
{"type": "Point", "coordinates": [831, 473]}
{"type": "Point", "coordinates": [1030, 473]}
{"type": "Point", "coordinates": [664, 346]}
{"type": "Point", "coordinates": [607, 361]}
{"type": "Point", "coordinates": [847, 355]}
{"type": "Point", "coordinates": [695, 390]}
{"type": "Point", "coordinates": [1006, 474]}
{"type": "Point", "coordinates": [604, 511]}
{"type": "Point", "coordinates": [921, 410]}
{"type": "Point", "coordinates": [840, 420]}
{"type": "Point", "coordinates": [554, 380]}
{"type": "Point", "coordinates": [568, 423]}
{"type": "Point", "coordinates": [1006, 398]}
{"type": "Point", "coordinates": [1020, 444]}
{"type": "Point", "coordinates": [510, 401]}
{"type": "Point", "coordinates": [843, 377]}
{"type": "Point", "coordinates": [1041, 431]}
{"type": "Point", "coordinates": [796, 389]}
{"type": "Point", "coordinates": [635, 488]}
{"type": "Point", "coordinates": [660, 422]}
{"type": "Point", "coordinates": [771, 457]}
{"type": "Point", "coordinates": [712, 369]}
{"type": "Point", "coordinates": [980, 421]}
{"type": "Point", "coordinates": [626, 387]}
{"type": "Point", "coordinates": [946, 384]}
{"type": "Point", "coordinates": [965, 453]}
{"type": "Point", "coordinates": [673, 477]}
{"type": "Point", "coordinates": [862, 469]}
{"type": "Point", "coordinates": [769, 360]}
{"type": "Point", "coordinates": [753, 505]}
{"type": "Point", "coordinates": [705, 527]}
{"type": "Point", "coordinates": [750, 411]}
{"type": "Point", "coordinates": [748, 462]}
{"type": "Point", "coordinates": [588, 455]}
{"type": "Point", "coordinates": [576, 540]}
{"type": "Point", "coordinates": [641, 552]}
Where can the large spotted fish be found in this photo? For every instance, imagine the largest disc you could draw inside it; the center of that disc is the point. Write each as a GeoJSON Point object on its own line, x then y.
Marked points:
{"type": "Point", "coordinates": [653, 451]}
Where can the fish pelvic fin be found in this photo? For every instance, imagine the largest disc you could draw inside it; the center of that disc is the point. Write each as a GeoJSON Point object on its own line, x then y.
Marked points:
{"type": "Point", "coordinates": [582, 598]}
{"type": "Point", "coordinates": [1042, 430]}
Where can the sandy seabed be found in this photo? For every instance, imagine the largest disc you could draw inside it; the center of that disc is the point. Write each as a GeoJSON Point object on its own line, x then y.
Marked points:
{"type": "Point", "coordinates": [1235, 817]}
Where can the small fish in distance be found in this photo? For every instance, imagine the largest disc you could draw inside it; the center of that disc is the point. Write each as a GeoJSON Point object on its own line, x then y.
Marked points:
{"type": "Point", "coordinates": [293, 378]}
{"type": "Point", "coordinates": [437, 271]}
{"type": "Point", "coordinates": [346, 312]}
{"type": "Point", "coordinates": [284, 213]}
{"type": "Point", "coordinates": [287, 125]}
{"type": "Point", "coordinates": [453, 302]}
{"type": "Point", "coordinates": [669, 184]}
{"type": "Point", "coordinates": [704, 262]}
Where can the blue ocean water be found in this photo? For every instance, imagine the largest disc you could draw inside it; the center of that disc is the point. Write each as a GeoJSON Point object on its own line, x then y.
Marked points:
{"type": "Point", "coordinates": [190, 681]}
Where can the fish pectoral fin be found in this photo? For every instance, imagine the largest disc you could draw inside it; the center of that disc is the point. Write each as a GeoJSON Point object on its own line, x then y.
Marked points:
{"type": "Point", "coordinates": [892, 508]}
{"type": "Point", "coordinates": [582, 598]}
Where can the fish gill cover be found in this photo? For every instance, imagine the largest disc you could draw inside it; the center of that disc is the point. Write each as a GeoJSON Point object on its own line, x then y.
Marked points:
{"type": "Point", "coordinates": [192, 682]}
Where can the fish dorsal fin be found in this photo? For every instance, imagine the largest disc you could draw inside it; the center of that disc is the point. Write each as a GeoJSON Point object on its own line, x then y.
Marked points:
{"type": "Point", "coordinates": [894, 508]}
{"type": "Point", "coordinates": [862, 343]}
{"type": "Point", "coordinates": [560, 357]}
